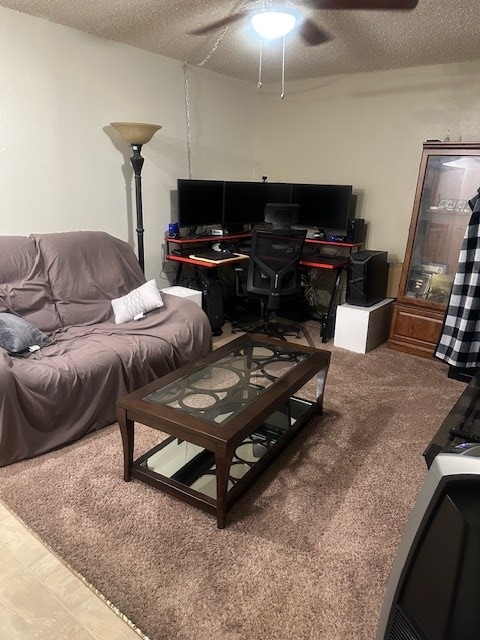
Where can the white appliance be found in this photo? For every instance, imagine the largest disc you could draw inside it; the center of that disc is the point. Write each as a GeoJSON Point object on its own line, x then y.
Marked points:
{"type": "Point", "coordinates": [433, 592]}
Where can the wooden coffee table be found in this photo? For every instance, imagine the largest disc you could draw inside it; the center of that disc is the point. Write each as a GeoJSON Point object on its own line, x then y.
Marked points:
{"type": "Point", "coordinates": [228, 415]}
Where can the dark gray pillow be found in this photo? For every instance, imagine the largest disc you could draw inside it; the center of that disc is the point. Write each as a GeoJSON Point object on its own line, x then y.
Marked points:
{"type": "Point", "coordinates": [17, 335]}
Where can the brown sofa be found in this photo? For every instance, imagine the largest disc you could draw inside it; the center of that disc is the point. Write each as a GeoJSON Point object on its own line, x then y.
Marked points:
{"type": "Point", "coordinates": [63, 284]}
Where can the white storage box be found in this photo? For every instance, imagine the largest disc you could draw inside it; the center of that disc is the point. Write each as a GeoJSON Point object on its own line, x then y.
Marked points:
{"type": "Point", "coordinates": [361, 329]}
{"type": "Point", "coordinates": [184, 292]}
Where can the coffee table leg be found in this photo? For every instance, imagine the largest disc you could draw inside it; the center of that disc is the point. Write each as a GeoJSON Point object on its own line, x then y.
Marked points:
{"type": "Point", "coordinates": [222, 465]}
{"type": "Point", "coordinates": [126, 429]}
{"type": "Point", "coordinates": [321, 378]}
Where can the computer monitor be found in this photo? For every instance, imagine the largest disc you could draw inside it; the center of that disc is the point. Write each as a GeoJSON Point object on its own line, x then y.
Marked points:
{"type": "Point", "coordinates": [281, 216]}
{"type": "Point", "coordinates": [200, 202]}
{"type": "Point", "coordinates": [245, 201]}
{"type": "Point", "coordinates": [324, 206]}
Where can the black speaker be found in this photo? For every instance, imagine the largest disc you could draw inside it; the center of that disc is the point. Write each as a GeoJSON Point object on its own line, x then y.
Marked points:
{"type": "Point", "coordinates": [367, 278]}
{"type": "Point", "coordinates": [356, 230]}
{"type": "Point", "coordinates": [212, 304]}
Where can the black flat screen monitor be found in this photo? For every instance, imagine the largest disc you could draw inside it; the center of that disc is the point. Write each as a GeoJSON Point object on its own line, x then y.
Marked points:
{"type": "Point", "coordinates": [324, 206]}
{"type": "Point", "coordinates": [200, 202]}
{"type": "Point", "coordinates": [245, 201]}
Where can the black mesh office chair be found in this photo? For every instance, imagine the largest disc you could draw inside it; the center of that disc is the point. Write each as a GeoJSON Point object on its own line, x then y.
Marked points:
{"type": "Point", "coordinates": [273, 274]}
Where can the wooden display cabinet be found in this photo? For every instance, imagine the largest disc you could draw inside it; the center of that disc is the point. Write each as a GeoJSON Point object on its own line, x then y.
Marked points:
{"type": "Point", "coordinates": [449, 176]}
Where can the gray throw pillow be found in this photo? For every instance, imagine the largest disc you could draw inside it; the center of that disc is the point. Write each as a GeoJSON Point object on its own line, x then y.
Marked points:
{"type": "Point", "coordinates": [17, 335]}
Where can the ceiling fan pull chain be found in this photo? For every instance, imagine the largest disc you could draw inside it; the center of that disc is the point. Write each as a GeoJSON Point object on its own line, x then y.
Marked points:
{"type": "Point", "coordinates": [282, 95]}
{"type": "Point", "coordinates": [260, 83]}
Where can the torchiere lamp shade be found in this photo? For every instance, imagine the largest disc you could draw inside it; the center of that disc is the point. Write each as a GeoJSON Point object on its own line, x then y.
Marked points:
{"type": "Point", "coordinates": [137, 133]}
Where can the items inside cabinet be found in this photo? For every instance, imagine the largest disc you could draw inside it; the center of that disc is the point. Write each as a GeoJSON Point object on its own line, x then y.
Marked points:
{"type": "Point", "coordinates": [449, 176]}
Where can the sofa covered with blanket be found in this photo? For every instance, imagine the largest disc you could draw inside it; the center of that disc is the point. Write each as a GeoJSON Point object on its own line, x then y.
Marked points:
{"type": "Point", "coordinates": [66, 384]}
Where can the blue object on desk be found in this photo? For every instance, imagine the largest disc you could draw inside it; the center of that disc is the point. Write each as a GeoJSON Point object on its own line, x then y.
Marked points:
{"type": "Point", "coordinates": [173, 229]}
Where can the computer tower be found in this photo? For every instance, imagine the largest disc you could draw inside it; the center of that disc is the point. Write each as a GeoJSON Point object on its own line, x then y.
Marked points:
{"type": "Point", "coordinates": [212, 304]}
{"type": "Point", "coordinates": [367, 278]}
{"type": "Point", "coordinates": [356, 230]}
{"type": "Point", "coordinates": [434, 588]}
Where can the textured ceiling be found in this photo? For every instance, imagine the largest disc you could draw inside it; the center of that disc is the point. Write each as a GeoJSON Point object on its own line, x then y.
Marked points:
{"type": "Point", "coordinates": [437, 31]}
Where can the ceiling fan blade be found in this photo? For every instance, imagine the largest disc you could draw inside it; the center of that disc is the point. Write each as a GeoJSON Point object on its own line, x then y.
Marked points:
{"type": "Point", "coordinates": [312, 34]}
{"type": "Point", "coordinates": [223, 22]}
{"type": "Point", "coordinates": [379, 5]}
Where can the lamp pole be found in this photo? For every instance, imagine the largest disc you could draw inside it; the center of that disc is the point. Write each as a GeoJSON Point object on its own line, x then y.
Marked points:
{"type": "Point", "coordinates": [137, 134]}
{"type": "Point", "coordinates": [137, 164]}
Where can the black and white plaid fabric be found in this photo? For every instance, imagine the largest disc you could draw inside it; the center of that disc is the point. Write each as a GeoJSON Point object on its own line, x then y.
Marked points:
{"type": "Point", "coordinates": [459, 343]}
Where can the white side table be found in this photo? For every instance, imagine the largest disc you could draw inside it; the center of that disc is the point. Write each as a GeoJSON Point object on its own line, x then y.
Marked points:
{"type": "Point", "coordinates": [183, 292]}
{"type": "Point", "coordinates": [361, 329]}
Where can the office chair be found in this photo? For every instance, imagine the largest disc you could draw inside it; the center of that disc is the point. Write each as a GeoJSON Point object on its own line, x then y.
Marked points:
{"type": "Point", "coordinates": [273, 274]}
{"type": "Point", "coordinates": [281, 215]}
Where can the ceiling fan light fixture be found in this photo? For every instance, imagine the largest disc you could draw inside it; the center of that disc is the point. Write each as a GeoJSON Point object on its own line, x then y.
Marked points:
{"type": "Point", "coordinates": [271, 24]}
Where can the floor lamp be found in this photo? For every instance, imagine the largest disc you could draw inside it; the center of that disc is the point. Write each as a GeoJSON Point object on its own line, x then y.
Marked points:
{"type": "Point", "coordinates": [137, 134]}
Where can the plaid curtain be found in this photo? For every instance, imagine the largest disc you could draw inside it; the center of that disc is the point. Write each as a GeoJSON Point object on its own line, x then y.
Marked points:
{"type": "Point", "coordinates": [459, 342]}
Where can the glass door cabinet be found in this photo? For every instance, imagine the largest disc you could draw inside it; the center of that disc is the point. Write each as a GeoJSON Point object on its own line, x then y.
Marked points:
{"type": "Point", "coordinates": [449, 176]}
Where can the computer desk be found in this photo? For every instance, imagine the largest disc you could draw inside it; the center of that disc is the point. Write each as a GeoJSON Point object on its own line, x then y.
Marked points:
{"type": "Point", "coordinates": [180, 249]}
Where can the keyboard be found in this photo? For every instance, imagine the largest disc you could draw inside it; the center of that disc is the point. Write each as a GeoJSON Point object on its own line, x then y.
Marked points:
{"type": "Point", "coordinates": [214, 255]}
{"type": "Point", "coordinates": [323, 259]}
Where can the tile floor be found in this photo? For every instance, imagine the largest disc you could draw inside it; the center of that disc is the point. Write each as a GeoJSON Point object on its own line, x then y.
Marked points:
{"type": "Point", "coordinates": [41, 599]}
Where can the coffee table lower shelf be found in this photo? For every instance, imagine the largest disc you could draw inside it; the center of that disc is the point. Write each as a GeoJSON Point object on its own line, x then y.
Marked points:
{"type": "Point", "coordinates": [189, 471]}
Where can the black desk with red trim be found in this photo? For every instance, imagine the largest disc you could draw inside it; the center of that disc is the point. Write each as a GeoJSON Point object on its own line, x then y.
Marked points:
{"type": "Point", "coordinates": [312, 258]}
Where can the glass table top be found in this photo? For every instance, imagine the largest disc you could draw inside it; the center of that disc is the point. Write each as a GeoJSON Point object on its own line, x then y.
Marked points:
{"type": "Point", "coordinates": [225, 386]}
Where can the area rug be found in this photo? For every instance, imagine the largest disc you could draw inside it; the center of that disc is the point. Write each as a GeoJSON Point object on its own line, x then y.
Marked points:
{"type": "Point", "coordinates": [307, 551]}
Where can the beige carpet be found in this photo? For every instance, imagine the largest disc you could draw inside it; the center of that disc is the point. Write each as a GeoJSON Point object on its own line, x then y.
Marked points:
{"type": "Point", "coordinates": [307, 550]}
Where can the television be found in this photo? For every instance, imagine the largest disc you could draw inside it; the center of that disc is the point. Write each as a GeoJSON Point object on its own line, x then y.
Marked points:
{"type": "Point", "coordinates": [324, 206]}
{"type": "Point", "coordinates": [245, 201]}
{"type": "Point", "coordinates": [200, 202]}
{"type": "Point", "coordinates": [434, 586]}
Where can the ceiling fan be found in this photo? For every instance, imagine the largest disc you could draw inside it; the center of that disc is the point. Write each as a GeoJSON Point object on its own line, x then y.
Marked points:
{"type": "Point", "coordinates": [310, 32]}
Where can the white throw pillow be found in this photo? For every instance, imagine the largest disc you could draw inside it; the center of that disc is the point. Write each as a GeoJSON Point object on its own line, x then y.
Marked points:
{"type": "Point", "coordinates": [137, 302]}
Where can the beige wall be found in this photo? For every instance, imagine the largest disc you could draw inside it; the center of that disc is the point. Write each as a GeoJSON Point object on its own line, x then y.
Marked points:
{"type": "Point", "coordinates": [367, 130]}
{"type": "Point", "coordinates": [62, 167]}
